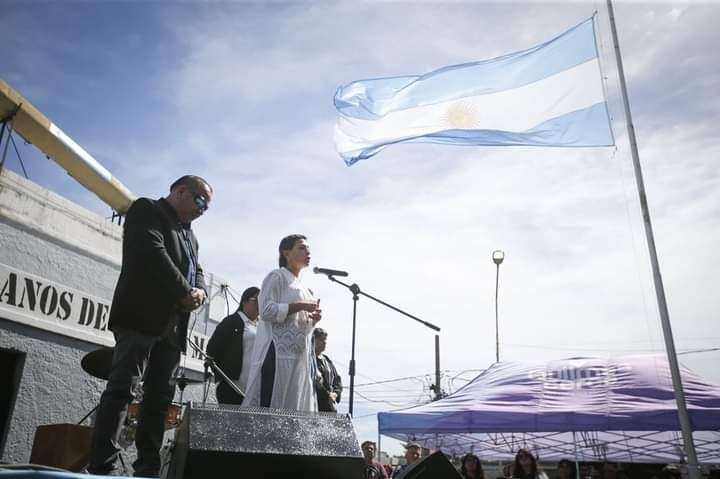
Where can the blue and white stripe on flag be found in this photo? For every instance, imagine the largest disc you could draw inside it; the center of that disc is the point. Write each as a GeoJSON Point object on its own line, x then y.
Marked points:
{"type": "Point", "coordinates": [548, 95]}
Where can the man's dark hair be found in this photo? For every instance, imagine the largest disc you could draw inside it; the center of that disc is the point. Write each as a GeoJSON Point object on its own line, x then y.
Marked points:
{"type": "Point", "coordinates": [287, 244]}
{"type": "Point", "coordinates": [317, 332]}
{"type": "Point", "coordinates": [251, 292]}
{"type": "Point", "coordinates": [365, 443]}
{"type": "Point", "coordinates": [191, 181]}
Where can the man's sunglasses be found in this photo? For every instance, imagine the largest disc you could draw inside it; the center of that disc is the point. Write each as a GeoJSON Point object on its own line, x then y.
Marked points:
{"type": "Point", "coordinates": [200, 202]}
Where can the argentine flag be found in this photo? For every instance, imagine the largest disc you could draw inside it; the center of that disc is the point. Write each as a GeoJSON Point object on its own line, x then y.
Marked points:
{"type": "Point", "coordinates": [548, 95]}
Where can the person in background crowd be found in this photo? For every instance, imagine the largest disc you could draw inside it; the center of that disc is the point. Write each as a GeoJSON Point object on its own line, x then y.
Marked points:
{"type": "Point", "coordinates": [282, 364]}
{"type": "Point", "coordinates": [231, 346]}
{"type": "Point", "coordinates": [412, 455]}
{"type": "Point", "coordinates": [609, 470]}
{"type": "Point", "coordinates": [589, 471]}
{"type": "Point", "coordinates": [160, 283]}
{"type": "Point", "coordinates": [566, 469]}
{"type": "Point", "coordinates": [471, 468]}
{"type": "Point", "coordinates": [373, 469]}
{"type": "Point", "coordinates": [328, 383]}
{"type": "Point", "coordinates": [526, 467]}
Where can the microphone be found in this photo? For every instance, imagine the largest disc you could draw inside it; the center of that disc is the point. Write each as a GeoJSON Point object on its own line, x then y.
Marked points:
{"type": "Point", "coordinates": [329, 272]}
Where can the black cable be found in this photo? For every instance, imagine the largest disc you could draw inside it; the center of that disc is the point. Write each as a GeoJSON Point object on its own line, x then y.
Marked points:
{"type": "Point", "coordinates": [405, 404]}
{"type": "Point", "coordinates": [229, 290]}
{"type": "Point", "coordinates": [693, 351]}
{"type": "Point", "coordinates": [22, 163]}
{"type": "Point", "coordinates": [7, 143]}
{"type": "Point", "coordinates": [391, 380]}
{"type": "Point", "coordinates": [224, 288]}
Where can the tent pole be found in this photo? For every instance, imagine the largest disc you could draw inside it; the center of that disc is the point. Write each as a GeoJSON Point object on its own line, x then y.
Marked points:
{"type": "Point", "coordinates": [683, 416]}
{"type": "Point", "coordinates": [577, 464]}
{"type": "Point", "coordinates": [438, 391]}
{"type": "Point", "coordinates": [377, 452]}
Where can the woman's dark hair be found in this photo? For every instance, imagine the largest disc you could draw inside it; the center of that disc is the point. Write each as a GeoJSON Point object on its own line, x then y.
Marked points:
{"type": "Point", "coordinates": [518, 471]}
{"type": "Point", "coordinates": [251, 292]}
{"type": "Point", "coordinates": [480, 474]}
{"type": "Point", "coordinates": [287, 244]}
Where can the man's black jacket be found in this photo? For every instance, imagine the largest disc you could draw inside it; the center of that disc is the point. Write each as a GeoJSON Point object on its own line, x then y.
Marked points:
{"type": "Point", "coordinates": [152, 278]}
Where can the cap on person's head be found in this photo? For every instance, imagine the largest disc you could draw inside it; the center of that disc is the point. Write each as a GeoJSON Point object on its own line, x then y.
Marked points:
{"type": "Point", "coordinates": [317, 332]}
{"type": "Point", "coordinates": [413, 445]}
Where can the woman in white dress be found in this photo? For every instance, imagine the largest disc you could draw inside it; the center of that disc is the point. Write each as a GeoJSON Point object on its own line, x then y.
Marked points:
{"type": "Point", "coordinates": [282, 364]}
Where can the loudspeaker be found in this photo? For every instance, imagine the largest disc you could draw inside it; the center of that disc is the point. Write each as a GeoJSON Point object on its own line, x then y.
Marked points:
{"type": "Point", "coordinates": [264, 443]}
{"type": "Point", "coordinates": [434, 466]}
{"type": "Point", "coordinates": [66, 446]}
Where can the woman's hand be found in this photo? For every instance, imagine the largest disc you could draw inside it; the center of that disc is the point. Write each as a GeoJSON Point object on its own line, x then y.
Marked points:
{"type": "Point", "coordinates": [316, 316]}
{"type": "Point", "coordinates": [309, 306]}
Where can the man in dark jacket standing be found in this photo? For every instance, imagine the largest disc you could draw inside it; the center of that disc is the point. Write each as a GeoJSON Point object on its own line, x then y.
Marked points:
{"type": "Point", "coordinates": [160, 283]}
{"type": "Point", "coordinates": [328, 383]}
{"type": "Point", "coordinates": [231, 346]}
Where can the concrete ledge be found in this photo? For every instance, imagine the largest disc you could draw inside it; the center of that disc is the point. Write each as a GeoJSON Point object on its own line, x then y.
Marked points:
{"type": "Point", "coordinates": [41, 211]}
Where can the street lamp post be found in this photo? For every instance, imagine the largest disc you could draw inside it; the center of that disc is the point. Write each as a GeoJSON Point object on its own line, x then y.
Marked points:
{"type": "Point", "coordinates": [497, 257]}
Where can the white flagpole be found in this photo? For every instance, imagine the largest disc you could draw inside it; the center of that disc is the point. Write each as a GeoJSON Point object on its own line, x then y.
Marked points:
{"type": "Point", "coordinates": [683, 416]}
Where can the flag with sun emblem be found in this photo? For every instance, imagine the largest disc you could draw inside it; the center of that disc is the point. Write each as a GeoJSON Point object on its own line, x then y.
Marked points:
{"type": "Point", "coordinates": [549, 95]}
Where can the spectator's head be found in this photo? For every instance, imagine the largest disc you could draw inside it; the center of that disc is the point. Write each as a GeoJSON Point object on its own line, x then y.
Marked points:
{"type": "Point", "coordinates": [294, 252]}
{"type": "Point", "coordinates": [320, 340]}
{"type": "Point", "coordinates": [525, 464]}
{"type": "Point", "coordinates": [412, 452]}
{"type": "Point", "coordinates": [671, 471]}
{"type": "Point", "coordinates": [190, 197]}
{"type": "Point", "coordinates": [470, 466]}
{"type": "Point", "coordinates": [249, 302]}
{"type": "Point", "coordinates": [609, 470]}
{"type": "Point", "coordinates": [566, 469]}
{"type": "Point", "coordinates": [368, 448]}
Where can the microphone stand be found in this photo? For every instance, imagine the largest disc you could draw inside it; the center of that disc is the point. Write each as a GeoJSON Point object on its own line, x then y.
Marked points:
{"type": "Point", "coordinates": [210, 362]}
{"type": "Point", "coordinates": [355, 290]}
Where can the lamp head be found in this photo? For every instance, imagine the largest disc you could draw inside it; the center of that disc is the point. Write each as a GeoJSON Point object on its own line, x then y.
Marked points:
{"type": "Point", "coordinates": [498, 257]}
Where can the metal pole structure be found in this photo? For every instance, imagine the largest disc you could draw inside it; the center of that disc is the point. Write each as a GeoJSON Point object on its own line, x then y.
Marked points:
{"type": "Point", "coordinates": [351, 370]}
{"type": "Point", "coordinates": [498, 257]}
{"type": "Point", "coordinates": [355, 290]}
{"type": "Point", "coordinates": [377, 451]}
{"type": "Point", "coordinates": [207, 303]}
{"type": "Point", "coordinates": [577, 463]}
{"type": "Point", "coordinates": [438, 393]}
{"type": "Point", "coordinates": [683, 416]}
{"type": "Point", "coordinates": [497, 323]}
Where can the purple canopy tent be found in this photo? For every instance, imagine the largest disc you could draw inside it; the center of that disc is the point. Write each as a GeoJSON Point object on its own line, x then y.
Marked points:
{"type": "Point", "coordinates": [619, 409]}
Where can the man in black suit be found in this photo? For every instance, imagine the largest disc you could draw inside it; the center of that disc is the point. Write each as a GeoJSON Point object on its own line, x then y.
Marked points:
{"type": "Point", "coordinates": [160, 283]}
{"type": "Point", "coordinates": [232, 343]}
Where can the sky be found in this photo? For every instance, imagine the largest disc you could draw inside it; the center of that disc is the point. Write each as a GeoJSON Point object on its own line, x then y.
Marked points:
{"type": "Point", "coordinates": [241, 94]}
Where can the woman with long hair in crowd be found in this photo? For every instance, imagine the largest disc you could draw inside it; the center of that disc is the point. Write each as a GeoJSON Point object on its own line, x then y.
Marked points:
{"type": "Point", "coordinates": [471, 468]}
{"type": "Point", "coordinates": [282, 362]}
{"type": "Point", "coordinates": [526, 467]}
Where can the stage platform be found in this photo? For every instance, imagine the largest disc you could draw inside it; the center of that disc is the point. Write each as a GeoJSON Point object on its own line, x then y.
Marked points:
{"type": "Point", "coordinates": [35, 474]}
